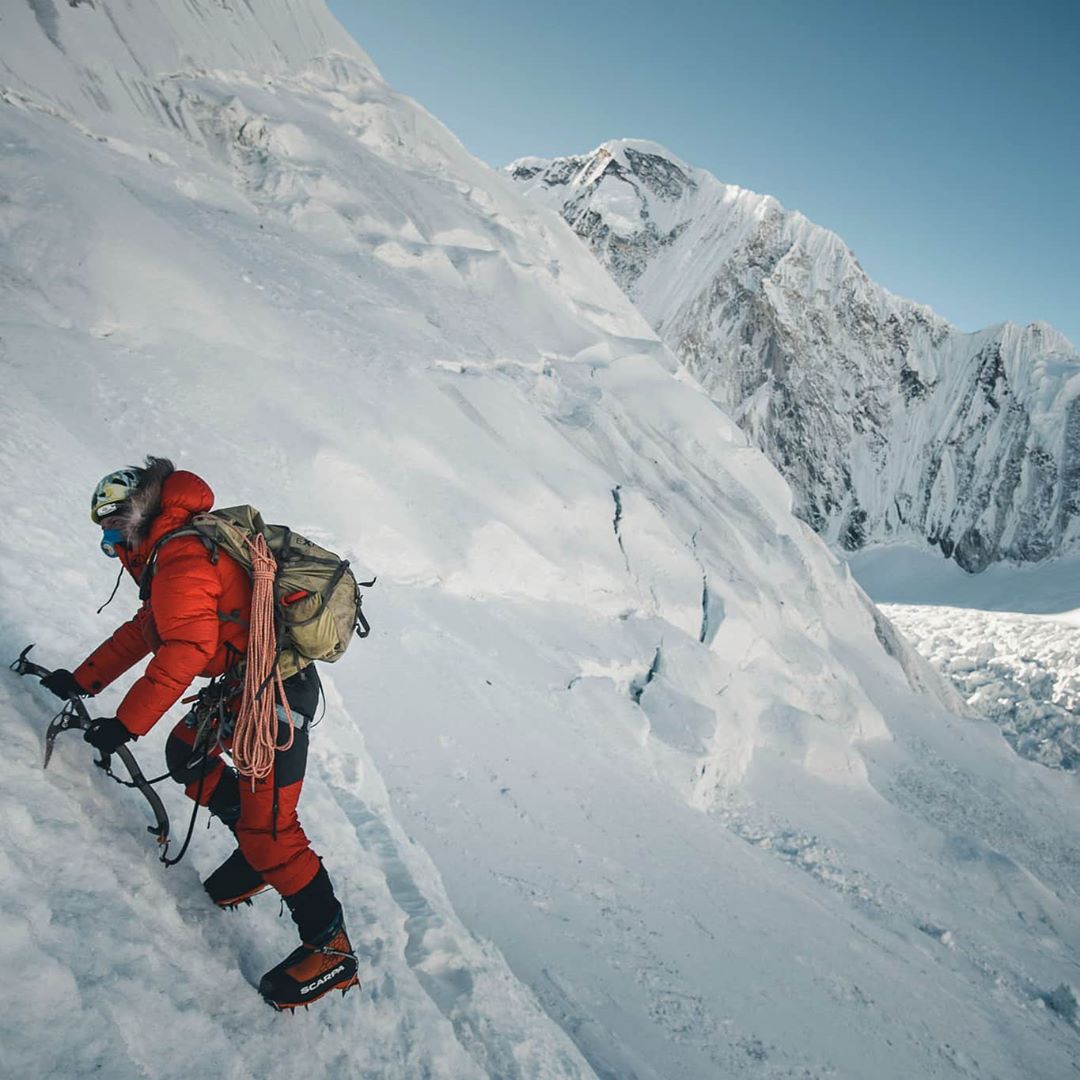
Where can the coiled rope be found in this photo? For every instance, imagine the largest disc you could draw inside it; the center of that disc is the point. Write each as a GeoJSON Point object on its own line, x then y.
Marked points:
{"type": "Point", "coordinates": [255, 734]}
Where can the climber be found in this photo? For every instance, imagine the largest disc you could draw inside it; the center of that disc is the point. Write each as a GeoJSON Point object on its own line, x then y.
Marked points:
{"type": "Point", "coordinates": [195, 619]}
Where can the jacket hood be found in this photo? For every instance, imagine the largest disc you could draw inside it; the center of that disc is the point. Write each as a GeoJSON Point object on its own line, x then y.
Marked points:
{"type": "Point", "coordinates": [165, 498]}
{"type": "Point", "coordinates": [187, 493]}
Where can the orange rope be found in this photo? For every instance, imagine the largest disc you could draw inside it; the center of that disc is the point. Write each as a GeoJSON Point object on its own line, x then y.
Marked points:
{"type": "Point", "coordinates": [255, 735]}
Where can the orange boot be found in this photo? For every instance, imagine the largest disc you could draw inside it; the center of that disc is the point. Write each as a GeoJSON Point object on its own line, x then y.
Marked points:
{"type": "Point", "coordinates": [312, 971]}
{"type": "Point", "coordinates": [325, 961]}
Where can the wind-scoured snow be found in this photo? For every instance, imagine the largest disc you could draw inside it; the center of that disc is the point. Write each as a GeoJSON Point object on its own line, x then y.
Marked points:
{"type": "Point", "coordinates": [889, 423]}
{"type": "Point", "coordinates": [630, 780]}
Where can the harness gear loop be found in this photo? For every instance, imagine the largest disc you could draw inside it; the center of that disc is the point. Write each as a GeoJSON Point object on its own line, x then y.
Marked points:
{"type": "Point", "coordinates": [255, 735]}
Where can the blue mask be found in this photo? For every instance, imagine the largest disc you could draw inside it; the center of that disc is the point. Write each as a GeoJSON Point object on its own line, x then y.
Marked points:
{"type": "Point", "coordinates": [110, 540]}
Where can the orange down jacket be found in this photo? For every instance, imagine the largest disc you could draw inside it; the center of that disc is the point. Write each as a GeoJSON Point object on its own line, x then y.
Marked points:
{"type": "Point", "coordinates": [196, 609]}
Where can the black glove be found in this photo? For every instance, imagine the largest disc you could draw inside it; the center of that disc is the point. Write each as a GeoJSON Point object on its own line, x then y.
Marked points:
{"type": "Point", "coordinates": [106, 733]}
{"type": "Point", "coordinates": [62, 683]}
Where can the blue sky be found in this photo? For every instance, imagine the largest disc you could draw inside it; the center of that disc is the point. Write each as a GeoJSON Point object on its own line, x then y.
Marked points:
{"type": "Point", "coordinates": [941, 140]}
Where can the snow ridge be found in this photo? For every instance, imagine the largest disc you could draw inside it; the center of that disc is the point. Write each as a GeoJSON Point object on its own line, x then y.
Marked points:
{"type": "Point", "coordinates": [888, 422]}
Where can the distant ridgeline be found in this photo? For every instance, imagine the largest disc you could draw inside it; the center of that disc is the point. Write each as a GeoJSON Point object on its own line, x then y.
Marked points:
{"type": "Point", "coordinates": [888, 422]}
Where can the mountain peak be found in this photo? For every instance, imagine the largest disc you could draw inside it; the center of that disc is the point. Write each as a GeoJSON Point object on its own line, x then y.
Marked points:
{"type": "Point", "coordinates": [661, 173]}
{"type": "Point", "coordinates": [776, 317]}
{"type": "Point", "coordinates": [626, 150]}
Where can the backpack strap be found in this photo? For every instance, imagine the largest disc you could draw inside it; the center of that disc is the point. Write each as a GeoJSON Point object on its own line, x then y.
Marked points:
{"type": "Point", "coordinates": [147, 579]}
{"type": "Point", "coordinates": [363, 627]}
{"type": "Point", "coordinates": [150, 569]}
{"type": "Point", "coordinates": [324, 596]}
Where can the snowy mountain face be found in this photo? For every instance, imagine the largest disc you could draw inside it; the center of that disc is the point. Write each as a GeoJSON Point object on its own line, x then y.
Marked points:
{"type": "Point", "coordinates": [888, 422]}
{"type": "Point", "coordinates": [630, 779]}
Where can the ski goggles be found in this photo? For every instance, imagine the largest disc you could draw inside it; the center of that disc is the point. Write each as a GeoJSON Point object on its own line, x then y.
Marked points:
{"type": "Point", "coordinates": [111, 539]}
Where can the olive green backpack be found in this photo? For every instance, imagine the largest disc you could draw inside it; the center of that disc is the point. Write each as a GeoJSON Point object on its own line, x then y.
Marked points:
{"type": "Point", "coordinates": [317, 601]}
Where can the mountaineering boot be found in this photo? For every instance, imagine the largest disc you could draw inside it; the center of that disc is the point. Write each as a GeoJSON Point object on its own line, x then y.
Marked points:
{"type": "Point", "coordinates": [234, 882]}
{"type": "Point", "coordinates": [324, 962]}
{"type": "Point", "coordinates": [313, 970]}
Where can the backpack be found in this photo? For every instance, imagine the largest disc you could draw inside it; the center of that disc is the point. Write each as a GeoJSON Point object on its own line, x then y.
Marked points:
{"type": "Point", "coordinates": [317, 601]}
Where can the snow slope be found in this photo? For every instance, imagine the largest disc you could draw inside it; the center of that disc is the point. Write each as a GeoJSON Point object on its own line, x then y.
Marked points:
{"type": "Point", "coordinates": [630, 780]}
{"type": "Point", "coordinates": [889, 423]}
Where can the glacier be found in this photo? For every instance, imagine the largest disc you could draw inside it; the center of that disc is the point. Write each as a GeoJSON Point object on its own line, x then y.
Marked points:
{"type": "Point", "coordinates": [890, 424]}
{"type": "Point", "coordinates": [631, 780]}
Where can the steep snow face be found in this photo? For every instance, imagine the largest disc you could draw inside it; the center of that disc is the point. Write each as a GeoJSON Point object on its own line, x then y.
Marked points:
{"type": "Point", "coordinates": [888, 422]}
{"type": "Point", "coordinates": [628, 781]}
{"type": "Point", "coordinates": [108, 59]}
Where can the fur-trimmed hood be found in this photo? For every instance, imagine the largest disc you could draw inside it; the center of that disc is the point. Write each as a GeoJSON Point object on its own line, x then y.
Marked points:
{"type": "Point", "coordinates": [181, 495]}
{"type": "Point", "coordinates": [137, 514]}
{"type": "Point", "coordinates": [165, 498]}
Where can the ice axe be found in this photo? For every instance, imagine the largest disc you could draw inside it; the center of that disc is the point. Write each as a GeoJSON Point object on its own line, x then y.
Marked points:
{"type": "Point", "coordinates": [74, 715]}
